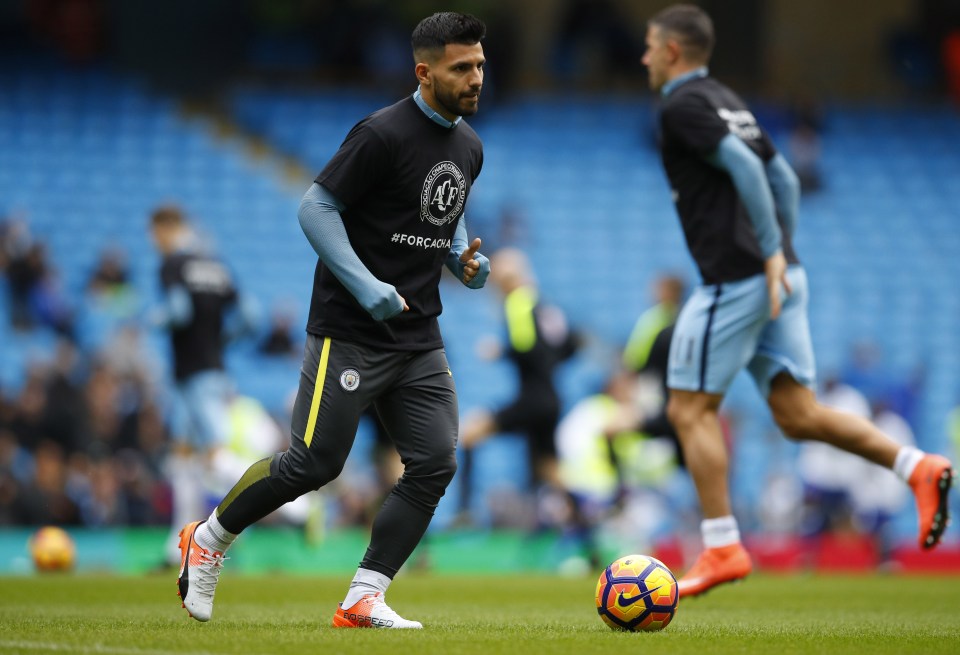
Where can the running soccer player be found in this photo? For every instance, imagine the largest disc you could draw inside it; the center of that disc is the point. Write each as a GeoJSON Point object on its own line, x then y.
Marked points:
{"type": "Point", "coordinates": [384, 216]}
{"type": "Point", "coordinates": [738, 199]}
{"type": "Point", "coordinates": [538, 341]}
{"type": "Point", "coordinates": [201, 310]}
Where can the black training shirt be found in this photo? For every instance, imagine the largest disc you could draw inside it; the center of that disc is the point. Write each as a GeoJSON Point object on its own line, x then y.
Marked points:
{"type": "Point", "coordinates": [198, 345]}
{"type": "Point", "coordinates": [694, 118]}
{"type": "Point", "coordinates": [404, 181]}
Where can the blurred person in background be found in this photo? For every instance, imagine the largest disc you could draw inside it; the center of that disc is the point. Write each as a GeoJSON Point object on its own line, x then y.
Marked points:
{"type": "Point", "coordinates": [384, 216]}
{"type": "Point", "coordinates": [668, 293]}
{"type": "Point", "coordinates": [279, 341]}
{"type": "Point", "coordinates": [737, 200]}
{"type": "Point", "coordinates": [538, 340]}
{"type": "Point", "coordinates": [879, 495]}
{"type": "Point", "coordinates": [202, 310]}
{"type": "Point", "coordinates": [109, 285]}
{"type": "Point", "coordinates": [647, 355]}
{"type": "Point", "coordinates": [829, 475]}
{"type": "Point", "coordinates": [608, 474]}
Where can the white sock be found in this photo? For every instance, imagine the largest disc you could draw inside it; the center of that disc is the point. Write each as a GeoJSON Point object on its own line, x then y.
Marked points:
{"type": "Point", "coordinates": [907, 459]}
{"type": "Point", "coordinates": [363, 583]}
{"type": "Point", "coordinates": [184, 473]}
{"type": "Point", "coordinates": [213, 536]}
{"type": "Point", "coordinates": [722, 531]}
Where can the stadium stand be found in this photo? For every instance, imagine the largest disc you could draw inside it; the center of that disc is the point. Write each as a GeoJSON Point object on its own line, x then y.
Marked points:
{"type": "Point", "coordinates": [85, 157]}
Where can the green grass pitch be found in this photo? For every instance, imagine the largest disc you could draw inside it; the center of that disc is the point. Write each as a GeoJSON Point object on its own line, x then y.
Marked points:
{"type": "Point", "coordinates": [277, 615]}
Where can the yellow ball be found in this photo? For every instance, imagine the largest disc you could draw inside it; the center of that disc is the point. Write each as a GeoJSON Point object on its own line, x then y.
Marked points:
{"type": "Point", "coordinates": [52, 549]}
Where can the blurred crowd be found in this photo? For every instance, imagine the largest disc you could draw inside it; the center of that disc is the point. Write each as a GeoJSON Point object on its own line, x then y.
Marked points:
{"type": "Point", "coordinates": [83, 435]}
{"type": "Point", "coordinates": [84, 439]}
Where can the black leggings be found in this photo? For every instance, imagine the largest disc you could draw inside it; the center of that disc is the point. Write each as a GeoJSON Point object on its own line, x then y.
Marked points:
{"type": "Point", "coordinates": [415, 398]}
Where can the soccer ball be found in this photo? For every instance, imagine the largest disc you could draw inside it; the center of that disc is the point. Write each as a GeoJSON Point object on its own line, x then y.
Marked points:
{"type": "Point", "coordinates": [637, 592]}
{"type": "Point", "coordinates": [52, 549]}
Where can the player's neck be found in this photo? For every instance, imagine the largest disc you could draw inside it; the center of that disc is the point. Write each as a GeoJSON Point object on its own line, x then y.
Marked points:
{"type": "Point", "coordinates": [428, 105]}
{"type": "Point", "coordinates": [681, 74]}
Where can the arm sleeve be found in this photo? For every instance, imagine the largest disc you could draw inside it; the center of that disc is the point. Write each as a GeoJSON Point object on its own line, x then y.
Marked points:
{"type": "Point", "coordinates": [241, 319]}
{"type": "Point", "coordinates": [746, 170]}
{"type": "Point", "coordinates": [175, 309]}
{"type": "Point", "coordinates": [786, 191]}
{"type": "Point", "coordinates": [320, 219]}
{"type": "Point", "coordinates": [457, 246]}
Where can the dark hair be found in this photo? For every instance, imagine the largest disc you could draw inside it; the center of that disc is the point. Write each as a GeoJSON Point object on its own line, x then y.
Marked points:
{"type": "Point", "coordinates": [692, 27]}
{"type": "Point", "coordinates": [167, 215]}
{"type": "Point", "coordinates": [435, 32]}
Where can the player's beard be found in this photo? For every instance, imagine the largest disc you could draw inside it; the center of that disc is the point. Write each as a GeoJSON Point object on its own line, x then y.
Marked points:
{"type": "Point", "coordinates": [457, 103]}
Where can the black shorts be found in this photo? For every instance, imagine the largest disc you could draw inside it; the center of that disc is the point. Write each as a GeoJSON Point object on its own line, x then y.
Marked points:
{"type": "Point", "coordinates": [535, 417]}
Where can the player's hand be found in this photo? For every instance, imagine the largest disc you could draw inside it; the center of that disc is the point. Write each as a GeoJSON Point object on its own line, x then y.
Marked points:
{"type": "Point", "coordinates": [775, 268]}
{"type": "Point", "coordinates": [383, 302]}
{"type": "Point", "coordinates": [476, 267]}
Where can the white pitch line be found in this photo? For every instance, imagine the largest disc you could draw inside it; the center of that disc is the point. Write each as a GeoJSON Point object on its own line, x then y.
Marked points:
{"type": "Point", "coordinates": [91, 648]}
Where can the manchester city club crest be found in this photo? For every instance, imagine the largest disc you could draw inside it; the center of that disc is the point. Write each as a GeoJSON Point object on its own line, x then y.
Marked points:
{"type": "Point", "coordinates": [444, 192]}
{"type": "Point", "coordinates": [350, 379]}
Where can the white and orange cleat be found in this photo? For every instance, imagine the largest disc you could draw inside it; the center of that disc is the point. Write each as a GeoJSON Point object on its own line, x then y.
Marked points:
{"type": "Point", "coordinates": [930, 482]}
{"type": "Point", "coordinates": [199, 572]}
{"type": "Point", "coordinates": [371, 611]}
{"type": "Point", "coordinates": [715, 566]}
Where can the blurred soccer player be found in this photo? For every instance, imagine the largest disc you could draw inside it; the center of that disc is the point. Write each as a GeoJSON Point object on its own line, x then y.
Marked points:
{"type": "Point", "coordinates": [384, 216]}
{"type": "Point", "coordinates": [738, 199]}
{"type": "Point", "coordinates": [200, 301]}
{"type": "Point", "coordinates": [539, 339]}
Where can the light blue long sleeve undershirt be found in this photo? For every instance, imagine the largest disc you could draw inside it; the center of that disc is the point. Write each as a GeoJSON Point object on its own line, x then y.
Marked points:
{"type": "Point", "coordinates": [321, 222]}
{"type": "Point", "coordinates": [460, 243]}
{"type": "Point", "coordinates": [785, 186]}
{"type": "Point", "coordinates": [175, 310]}
{"type": "Point", "coordinates": [749, 177]}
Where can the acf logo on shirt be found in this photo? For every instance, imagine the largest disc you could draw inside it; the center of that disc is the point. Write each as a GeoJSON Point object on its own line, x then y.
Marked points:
{"type": "Point", "coordinates": [444, 192]}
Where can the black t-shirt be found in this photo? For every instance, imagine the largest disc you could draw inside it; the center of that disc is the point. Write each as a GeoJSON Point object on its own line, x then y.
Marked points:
{"type": "Point", "coordinates": [198, 345]}
{"type": "Point", "coordinates": [553, 343]}
{"type": "Point", "coordinates": [694, 118]}
{"type": "Point", "coordinates": [404, 180]}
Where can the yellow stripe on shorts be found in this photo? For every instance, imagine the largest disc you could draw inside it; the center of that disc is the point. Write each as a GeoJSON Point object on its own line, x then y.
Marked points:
{"type": "Point", "coordinates": [317, 392]}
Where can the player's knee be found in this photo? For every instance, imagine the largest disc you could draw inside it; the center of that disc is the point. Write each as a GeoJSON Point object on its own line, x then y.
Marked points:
{"type": "Point", "coordinates": [431, 474]}
{"type": "Point", "coordinates": [681, 414]}
{"type": "Point", "coordinates": [441, 467]}
{"type": "Point", "coordinates": [309, 474]}
{"type": "Point", "coordinates": [796, 422]}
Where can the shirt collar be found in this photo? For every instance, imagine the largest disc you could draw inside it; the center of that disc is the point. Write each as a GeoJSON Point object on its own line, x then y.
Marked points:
{"type": "Point", "coordinates": [431, 114]}
{"type": "Point", "coordinates": [696, 73]}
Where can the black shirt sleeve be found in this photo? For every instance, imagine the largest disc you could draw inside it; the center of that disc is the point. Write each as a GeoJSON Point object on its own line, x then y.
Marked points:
{"type": "Point", "coordinates": [171, 273]}
{"type": "Point", "coordinates": [694, 123]}
{"type": "Point", "coordinates": [358, 166]}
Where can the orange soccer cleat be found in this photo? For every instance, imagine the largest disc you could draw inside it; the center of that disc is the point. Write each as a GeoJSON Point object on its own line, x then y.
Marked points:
{"type": "Point", "coordinates": [199, 572]}
{"type": "Point", "coordinates": [931, 481]}
{"type": "Point", "coordinates": [371, 611]}
{"type": "Point", "coordinates": [715, 566]}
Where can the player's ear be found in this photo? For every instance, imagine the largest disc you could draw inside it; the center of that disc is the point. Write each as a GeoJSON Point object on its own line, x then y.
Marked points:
{"type": "Point", "coordinates": [422, 71]}
{"type": "Point", "coordinates": [675, 50]}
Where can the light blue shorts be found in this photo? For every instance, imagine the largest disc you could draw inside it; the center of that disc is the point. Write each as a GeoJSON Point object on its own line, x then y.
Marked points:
{"type": "Point", "coordinates": [725, 327]}
{"type": "Point", "coordinates": [199, 415]}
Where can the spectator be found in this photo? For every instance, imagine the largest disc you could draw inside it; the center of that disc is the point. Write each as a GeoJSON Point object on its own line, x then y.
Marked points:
{"type": "Point", "coordinates": [109, 284]}
{"type": "Point", "coordinates": [279, 340]}
{"type": "Point", "coordinates": [44, 500]}
{"type": "Point", "coordinates": [25, 270]}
